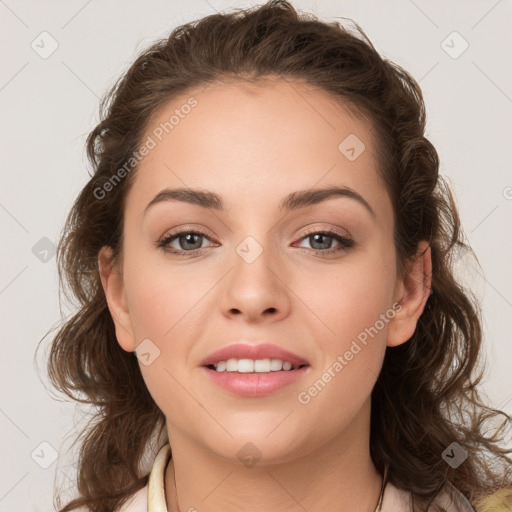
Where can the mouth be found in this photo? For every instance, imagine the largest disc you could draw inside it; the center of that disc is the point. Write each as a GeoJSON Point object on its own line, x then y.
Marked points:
{"type": "Point", "coordinates": [244, 357]}
{"type": "Point", "coordinates": [252, 378]}
{"type": "Point", "coordinates": [247, 370]}
{"type": "Point", "coordinates": [259, 366]}
{"type": "Point", "coordinates": [254, 384]}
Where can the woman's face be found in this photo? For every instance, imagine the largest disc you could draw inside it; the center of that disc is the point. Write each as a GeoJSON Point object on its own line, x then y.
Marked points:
{"type": "Point", "coordinates": [259, 274]}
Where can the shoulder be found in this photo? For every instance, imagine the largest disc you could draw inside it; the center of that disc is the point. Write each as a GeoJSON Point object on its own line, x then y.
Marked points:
{"type": "Point", "coordinates": [453, 499]}
{"type": "Point", "coordinates": [398, 500]}
{"type": "Point", "coordinates": [395, 500]}
{"type": "Point", "coordinates": [138, 502]}
{"type": "Point", "coordinates": [499, 501]}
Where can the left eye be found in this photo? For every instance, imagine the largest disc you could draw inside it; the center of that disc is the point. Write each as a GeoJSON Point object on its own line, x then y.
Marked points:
{"type": "Point", "coordinates": [324, 240]}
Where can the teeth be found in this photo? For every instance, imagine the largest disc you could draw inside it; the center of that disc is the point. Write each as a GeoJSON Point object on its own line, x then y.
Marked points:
{"type": "Point", "coordinates": [252, 365]}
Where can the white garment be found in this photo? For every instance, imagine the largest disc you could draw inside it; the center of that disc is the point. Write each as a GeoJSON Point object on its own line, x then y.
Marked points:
{"type": "Point", "coordinates": [151, 498]}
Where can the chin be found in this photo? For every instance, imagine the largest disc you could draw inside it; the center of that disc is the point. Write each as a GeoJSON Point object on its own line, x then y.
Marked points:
{"type": "Point", "coordinates": [252, 447]}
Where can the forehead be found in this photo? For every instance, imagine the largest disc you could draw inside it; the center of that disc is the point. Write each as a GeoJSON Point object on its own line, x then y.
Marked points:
{"type": "Point", "coordinates": [255, 142]}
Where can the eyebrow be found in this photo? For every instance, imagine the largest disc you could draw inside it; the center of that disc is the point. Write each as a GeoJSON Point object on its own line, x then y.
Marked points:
{"type": "Point", "coordinates": [293, 201]}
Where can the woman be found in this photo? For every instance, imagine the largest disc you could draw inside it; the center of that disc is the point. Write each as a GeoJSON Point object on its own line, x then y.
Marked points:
{"type": "Point", "coordinates": [313, 350]}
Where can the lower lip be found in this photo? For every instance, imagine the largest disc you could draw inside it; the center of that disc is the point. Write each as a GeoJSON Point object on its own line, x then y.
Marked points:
{"type": "Point", "coordinates": [255, 384]}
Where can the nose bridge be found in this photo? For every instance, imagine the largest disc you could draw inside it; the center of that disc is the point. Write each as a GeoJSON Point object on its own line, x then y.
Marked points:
{"type": "Point", "coordinates": [256, 259]}
{"type": "Point", "coordinates": [254, 236]}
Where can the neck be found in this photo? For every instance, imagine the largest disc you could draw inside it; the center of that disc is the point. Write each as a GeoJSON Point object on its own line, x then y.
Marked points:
{"type": "Point", "coordinates": [339, 475]}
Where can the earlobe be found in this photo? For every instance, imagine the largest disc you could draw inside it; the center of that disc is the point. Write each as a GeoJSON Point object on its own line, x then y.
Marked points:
{"type": "Point", "coordinates": [113, 287]}
{"type": "Point", "coordinates": [415, 290]}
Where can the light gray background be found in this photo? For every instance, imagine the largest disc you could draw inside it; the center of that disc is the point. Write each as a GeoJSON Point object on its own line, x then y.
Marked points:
{"type": "Point", "coordinates": [49, 105]}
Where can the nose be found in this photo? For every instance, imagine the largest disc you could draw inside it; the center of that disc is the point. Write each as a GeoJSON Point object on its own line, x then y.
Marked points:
{"type": "Point", "coordinates": [255, 288]}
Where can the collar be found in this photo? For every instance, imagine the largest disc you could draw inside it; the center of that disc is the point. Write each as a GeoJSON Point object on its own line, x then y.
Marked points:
{"type": "Point", "coordinates": [156, 489]}
{"type": "Point", "coordinates": [156, 484]}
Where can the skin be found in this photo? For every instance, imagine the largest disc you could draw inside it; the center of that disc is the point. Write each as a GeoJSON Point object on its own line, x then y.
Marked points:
{"type": "Point", "coordinates": [253, 145]}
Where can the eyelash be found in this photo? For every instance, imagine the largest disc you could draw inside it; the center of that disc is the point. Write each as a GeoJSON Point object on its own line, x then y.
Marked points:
{"type": "Point", "coordinates": [346, 242]}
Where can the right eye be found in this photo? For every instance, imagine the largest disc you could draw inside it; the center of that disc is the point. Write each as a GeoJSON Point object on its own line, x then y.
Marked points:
{"type": "Point", "coordinates": [189, 242]}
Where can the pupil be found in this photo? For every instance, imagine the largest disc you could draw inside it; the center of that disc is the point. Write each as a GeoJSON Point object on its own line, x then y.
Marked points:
{"type": "Point", "coordinates": [324, 245]}
{"type": "Point", "coordinates": [191, 235]}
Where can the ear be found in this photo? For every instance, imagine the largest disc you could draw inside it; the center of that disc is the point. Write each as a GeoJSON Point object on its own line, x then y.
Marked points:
{"type": "Point", "coordinates": [113, 286]}
{"type": "Point", "coordinates": [413, 291]}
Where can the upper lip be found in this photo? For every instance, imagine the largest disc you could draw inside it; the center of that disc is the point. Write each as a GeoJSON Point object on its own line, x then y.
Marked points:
{"type": "Point", "coordinates": [247, 351]}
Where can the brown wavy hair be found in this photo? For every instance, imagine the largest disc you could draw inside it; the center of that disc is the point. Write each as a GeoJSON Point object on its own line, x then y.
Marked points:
{"type": "Point", "coordinates": [426, 395]}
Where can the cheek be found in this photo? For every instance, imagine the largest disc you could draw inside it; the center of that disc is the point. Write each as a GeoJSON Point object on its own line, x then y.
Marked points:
{"type": "Point", "coordinates": [161, 294]}
{"type": "Point", "coordinates": [151, 305]}
{"type": "Point", "coordinates": [354, 303]}
{"type": "Point", "coordinates": [164, 303]}
{"type": "Point", "coordinates": [350, 297]}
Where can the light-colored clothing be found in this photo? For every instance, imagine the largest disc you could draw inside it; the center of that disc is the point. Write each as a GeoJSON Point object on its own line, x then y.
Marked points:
{"type": "Point", "coordinates": [151, 498]}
